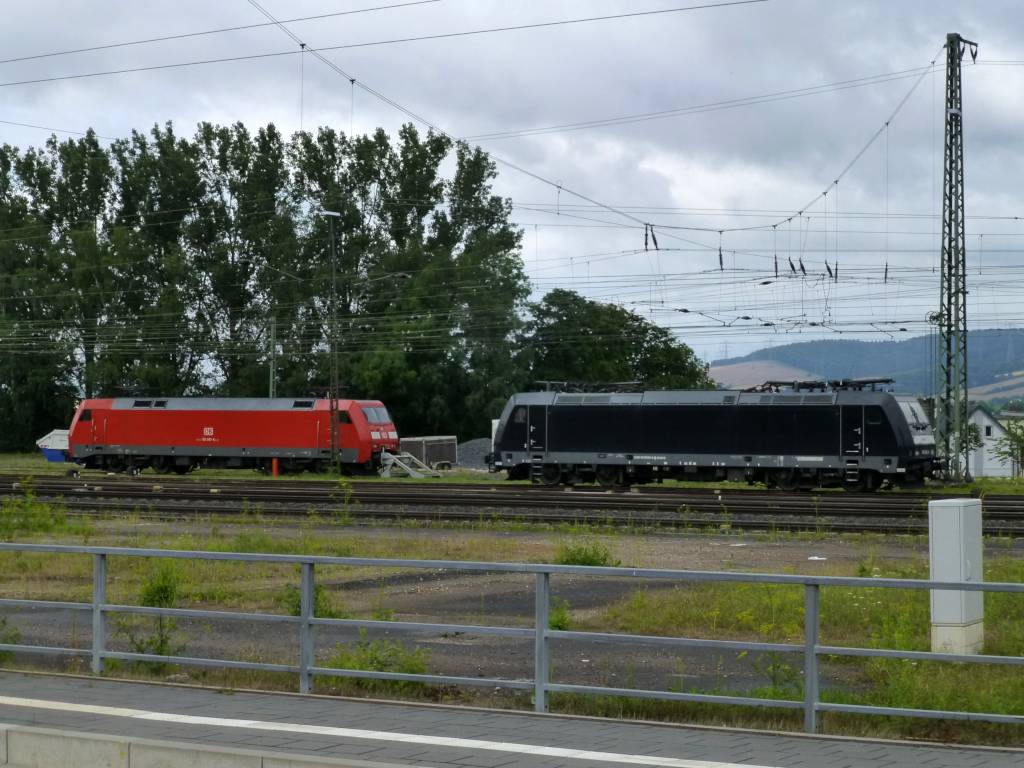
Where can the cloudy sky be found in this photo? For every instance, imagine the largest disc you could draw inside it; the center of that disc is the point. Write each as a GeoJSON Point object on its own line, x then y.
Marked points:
{"type": "Point", "coordinates": [763, 105]}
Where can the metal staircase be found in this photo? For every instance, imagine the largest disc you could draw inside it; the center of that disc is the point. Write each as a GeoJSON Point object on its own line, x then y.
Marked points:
{"type": "Point", "coordinates": [404, 465]}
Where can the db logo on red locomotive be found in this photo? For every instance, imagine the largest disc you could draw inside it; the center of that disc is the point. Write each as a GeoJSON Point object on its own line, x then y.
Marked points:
{"type": "Point", "coordinates": [208, 436]}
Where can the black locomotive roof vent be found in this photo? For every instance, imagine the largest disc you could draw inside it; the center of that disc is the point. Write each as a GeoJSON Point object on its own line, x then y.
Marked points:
{"type": "Point", "coordinates": [142, 404]}
{"type": "Point", "coordinates": [159, 403]}
{"type": "Point", "coordinates": [302, 404]}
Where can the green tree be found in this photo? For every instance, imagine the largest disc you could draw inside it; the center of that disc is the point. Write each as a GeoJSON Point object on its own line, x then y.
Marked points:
{"type": "Point", "coordinates": [431, 283]}
{"type": "Point", "coordinates": [36, 366]}
{"type": "Point", "coordinates": [1010, 445]}
{"type": "Point", "coordinates": [160, 191]}
{"type": "Point", "coordinates": [571, 338]}
{"type": "Point", "coordinates": [159, 263]}
{"type": "Point", "coordinates": [243, 243]}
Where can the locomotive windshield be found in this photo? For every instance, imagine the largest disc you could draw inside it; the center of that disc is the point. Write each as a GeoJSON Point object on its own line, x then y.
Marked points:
{"type": "Point", "coordinates": [914, 415]}
{"type": "Point", "coordinates": [377, 414]}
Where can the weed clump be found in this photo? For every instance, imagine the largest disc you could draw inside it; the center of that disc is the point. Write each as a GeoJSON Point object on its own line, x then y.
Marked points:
{"type": "Point", "coordinates": [559, 617]}
{"type": "Point", "coordinates": [323, 605]}
{"type": "Point", "coordinates": [585, 552]}
{"type": "Point", "coordinates": [159, 590]}
{"type": "Point", "coordinates": [380, 655]}
{"type": "Point", "coordinates": [8, 636]}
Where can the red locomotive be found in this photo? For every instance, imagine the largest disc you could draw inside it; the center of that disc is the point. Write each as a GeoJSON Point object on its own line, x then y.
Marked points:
{"type": "Point", "coordinates": [178, 434]}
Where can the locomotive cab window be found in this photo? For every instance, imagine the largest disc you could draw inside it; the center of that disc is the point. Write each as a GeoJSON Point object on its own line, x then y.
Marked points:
{"type": "Point", "coordinates": [86, 415]}
{"type": "Point", "coordinates": [873, 416]}
{"type": "Point", "coordinates": [377, 415]}
{"type": "Point", "coordinates": [519, 414]}
{"type": "Point", "coordinates": [344, 418]}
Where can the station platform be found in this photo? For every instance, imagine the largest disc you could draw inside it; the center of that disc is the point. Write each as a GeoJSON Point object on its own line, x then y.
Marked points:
{"type": "Point", "coordinates": [295, 730]}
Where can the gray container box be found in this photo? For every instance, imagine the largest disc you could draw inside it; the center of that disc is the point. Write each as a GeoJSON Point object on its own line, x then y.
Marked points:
{"type": "Point", "coordinates": [436, 451]}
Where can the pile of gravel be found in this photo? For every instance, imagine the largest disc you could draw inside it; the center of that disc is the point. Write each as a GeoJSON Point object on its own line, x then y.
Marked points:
{"type": "Point", "coordinates": [472, 452]}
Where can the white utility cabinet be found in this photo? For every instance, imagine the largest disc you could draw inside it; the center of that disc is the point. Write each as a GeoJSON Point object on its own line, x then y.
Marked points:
{"type": "Point", "coordinates": [955, 551]}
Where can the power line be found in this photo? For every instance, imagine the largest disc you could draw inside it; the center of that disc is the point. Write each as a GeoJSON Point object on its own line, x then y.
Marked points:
{"type": "Point", "coordinates": [701, 108]}
{"type": "Point", "coordinates": [221, 30]}
{"type": "Point", "coordinates": [56, 130]}
{"type": "Point", "coordinates": [317, 52]}
{"type": "Point", "coordinates": [445, 35]}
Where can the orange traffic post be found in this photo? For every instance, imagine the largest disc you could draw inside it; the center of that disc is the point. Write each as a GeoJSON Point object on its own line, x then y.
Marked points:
{"type": "Point", "coordinates": [275, 469]}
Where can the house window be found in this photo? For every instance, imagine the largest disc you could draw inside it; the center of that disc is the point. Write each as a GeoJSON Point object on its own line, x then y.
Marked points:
{"type": "Point", "coordinates": [988, 430]}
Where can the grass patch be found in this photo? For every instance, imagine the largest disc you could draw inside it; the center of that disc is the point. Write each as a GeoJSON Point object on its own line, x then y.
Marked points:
{"type": "Point", "coordinates": [26, 514]}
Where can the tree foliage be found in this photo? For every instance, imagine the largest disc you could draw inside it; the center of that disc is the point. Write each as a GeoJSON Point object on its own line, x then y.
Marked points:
{"type": "Point", "coordinates": [572, 338]}
{"type": "Point", "coordinates": [172, 265]}
{"type": "Point", "coordinates": [1009, 446]}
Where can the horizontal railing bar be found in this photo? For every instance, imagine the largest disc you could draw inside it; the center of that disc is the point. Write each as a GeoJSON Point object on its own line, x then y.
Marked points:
{"type": "Point", "coordinates": [705, 698]}
{"type": "Point", "coordinates": [416, 678]}
{"type": "Point", "coordinates": [198, 613]}
{"type": "Point", "coordinates": [51, 650]}
{"type": "Point", "coordinates": [934, 714]}
{"type": "Point", "coordinates": [578, 570]}
{"type": "Point", "coordinates": [735, 645]}
{"type": "Point", "coordinates": [413, 626]}
{"type": "Point", "coordinates": [190, 661]}
{"type": "Point", "coordinates": [13, 602]}
{"type": "Point", "coordinates": [882, 653]}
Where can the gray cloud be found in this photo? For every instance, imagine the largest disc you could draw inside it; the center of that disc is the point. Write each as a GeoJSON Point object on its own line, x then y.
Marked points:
{"type": "Point", "coordinates": [770, 156]}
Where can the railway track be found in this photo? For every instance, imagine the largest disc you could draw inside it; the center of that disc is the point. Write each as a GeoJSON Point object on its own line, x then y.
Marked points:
{"type": "Point", "coordinates": [647, 506]}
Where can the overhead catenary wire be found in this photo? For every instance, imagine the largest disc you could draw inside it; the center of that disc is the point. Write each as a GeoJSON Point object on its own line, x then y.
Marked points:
{"type": "Point", "coordinates": [373, 43]}
{"type": "Point", "coordinates": [714, 106]}
{"type": "Point", "coordinates": [203, 33]}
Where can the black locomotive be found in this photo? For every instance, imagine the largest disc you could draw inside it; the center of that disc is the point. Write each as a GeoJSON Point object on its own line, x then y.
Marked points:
{"type": "Point", "coordinates": [813, 434]}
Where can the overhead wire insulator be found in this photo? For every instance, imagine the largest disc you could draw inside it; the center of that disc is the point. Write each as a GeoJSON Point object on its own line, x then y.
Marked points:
{"type": "Point", "coordinates": [776, 265]}
{"type": "Point", "coordinates": [646, 228]}
{"type": "Point", "coordinates": [654, 238]}
{"type": "Point", "coordinates": [828, 269]}
{"type": "Point", "coordinates": [837, 270]}
{"type": "Point", "coordinates": [885, 277]}
{"type": "Point", "coordinates": [802, 268]}
{"type": "Point", "coordinates": [791, 267]}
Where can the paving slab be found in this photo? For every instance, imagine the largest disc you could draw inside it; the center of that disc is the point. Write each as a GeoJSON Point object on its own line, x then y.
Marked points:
{"type": "Point", "coordinates": [431, 735]}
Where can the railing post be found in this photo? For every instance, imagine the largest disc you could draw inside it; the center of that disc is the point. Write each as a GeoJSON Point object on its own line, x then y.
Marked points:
{"type": "Point", "coordinates": [306, 602]}
{"type": "Point", "coordinates": [812, 624]}
{"type": "Point", "coordinates": [99, 619]}
{"type": "Point", "coordinates": [540, 643]}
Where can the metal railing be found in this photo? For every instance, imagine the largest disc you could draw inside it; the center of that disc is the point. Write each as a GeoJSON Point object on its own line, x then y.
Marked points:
{"type": "Point", "coordinates": [811, 648]}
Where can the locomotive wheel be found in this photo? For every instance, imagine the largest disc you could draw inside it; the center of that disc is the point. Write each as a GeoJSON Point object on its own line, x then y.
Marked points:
{"type": "Point", "coordinates": [608, 476]}
{"type": "Point", "coordinates": [181, 469]}
{"type": "Point", "coordinates": [788, 479]}
{"type": "Point", "coordinates": [868, 482]}
{"type": "Point", "coordinates": [550, 474]}
{"type": "Point", "coordinates": [162, 466]}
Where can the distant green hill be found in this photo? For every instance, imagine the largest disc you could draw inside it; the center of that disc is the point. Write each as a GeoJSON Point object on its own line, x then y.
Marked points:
{"type": "Point", "coordinates": [992, 355]}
